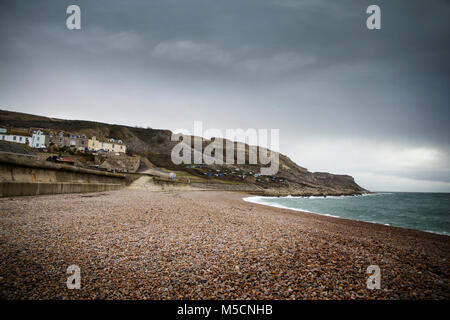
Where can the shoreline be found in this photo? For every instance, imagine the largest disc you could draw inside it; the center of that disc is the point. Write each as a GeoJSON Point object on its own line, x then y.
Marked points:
{"type": "Point", "coordinates": [280, 192]}
{"type": "Point", "coordinates": [135, 244]}
{"type": "Point", "coordinates": [276, 205]}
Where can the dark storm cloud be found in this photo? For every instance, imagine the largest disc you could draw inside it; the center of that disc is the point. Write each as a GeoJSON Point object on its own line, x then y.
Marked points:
{"type": "Point", "coordinates": [310, 68]}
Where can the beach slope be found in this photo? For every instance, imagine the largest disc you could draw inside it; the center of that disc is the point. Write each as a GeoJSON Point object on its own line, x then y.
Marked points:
{"type": "Point", "coordinates": [135, 244]}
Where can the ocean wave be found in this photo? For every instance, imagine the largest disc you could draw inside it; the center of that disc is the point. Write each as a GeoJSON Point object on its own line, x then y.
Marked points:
{"type": "Point", "coordinates": [331, 197]}
{"type": "Point", "coordinates": [259, 200]}
{"type": "Point", "coordinates": [438, 232]}
{"type": "Point", "coordinates": [297, 206]}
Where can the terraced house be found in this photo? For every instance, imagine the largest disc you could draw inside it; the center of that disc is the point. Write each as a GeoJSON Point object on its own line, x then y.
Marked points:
{"type": "Point", "coordinates": [41, 138]}
{"type": "Point", "coordinates": [76, 141]}
{"type": "Point", "coordinates": [62, 139]}
{"type": "Point", "coordinates": [109, 145]}
{"type": "Point", "coordinates": [15, 135]}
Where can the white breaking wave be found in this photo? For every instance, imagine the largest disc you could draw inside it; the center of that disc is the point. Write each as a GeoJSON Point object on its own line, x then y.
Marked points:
{"type": "Point", "coordinates": [330, 197]}
{"type": "Point", "coordinates": [260, 200]}
{"type": "Point", "coordinates": [436, 232]}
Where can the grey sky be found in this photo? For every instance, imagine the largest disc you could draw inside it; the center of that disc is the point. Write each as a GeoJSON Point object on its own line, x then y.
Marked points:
{"type": "Point", "coordinates": [373, 104]}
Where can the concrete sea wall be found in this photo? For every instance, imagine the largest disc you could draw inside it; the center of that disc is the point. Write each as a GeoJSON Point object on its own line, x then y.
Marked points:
{"type": "Point", "coordinates": [12, 189]}
{"type": "Point", "coordinates": [25, 177]}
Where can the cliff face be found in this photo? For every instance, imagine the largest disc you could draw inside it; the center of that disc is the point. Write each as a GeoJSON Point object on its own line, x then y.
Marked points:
{"type": "Point", "coordinates": [156, 146]}
{"type": "Point", "coordinates": [303, 182]}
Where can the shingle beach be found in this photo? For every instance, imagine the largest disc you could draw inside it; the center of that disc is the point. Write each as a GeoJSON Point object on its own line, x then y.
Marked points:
{"type": "Point", "coordinates": [135, 244]}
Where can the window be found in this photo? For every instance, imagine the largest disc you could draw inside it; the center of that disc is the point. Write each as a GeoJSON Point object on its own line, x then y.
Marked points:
{"type": "Point", "coordinates": [14, 138]}
{"type": "Point", "coordinates": [20, 138]}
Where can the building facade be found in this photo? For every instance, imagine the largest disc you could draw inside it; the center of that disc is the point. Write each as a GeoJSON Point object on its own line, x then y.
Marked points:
{"type": "Point", "coordinates": [62, 139]}
{"type": "Point", "coordinates": [10, 136]}
{"type": "Point", "coordinates": [56, 138]}
{"type": "Point", "coordinates": [110, 145]}
{"type": "Point", "coordinates": [39, 139]}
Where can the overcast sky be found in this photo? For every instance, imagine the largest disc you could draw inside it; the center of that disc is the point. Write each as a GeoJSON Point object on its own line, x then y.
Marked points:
{"type": "Point", "coordinates": [370, 103]}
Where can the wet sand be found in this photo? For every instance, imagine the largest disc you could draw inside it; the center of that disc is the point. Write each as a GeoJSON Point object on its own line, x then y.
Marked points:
{"type": "Point", "coordinates": [134, 244]}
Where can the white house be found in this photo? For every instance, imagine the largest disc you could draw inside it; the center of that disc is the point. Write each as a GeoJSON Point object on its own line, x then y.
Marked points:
{"type": "Point", "coordinates": [38, 140]}
{"type": "Point", "coordinates": [15, 138]}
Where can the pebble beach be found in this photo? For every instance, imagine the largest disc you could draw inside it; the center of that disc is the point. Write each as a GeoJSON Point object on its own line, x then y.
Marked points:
{"type": "Point", "coordinates": [136, 244]}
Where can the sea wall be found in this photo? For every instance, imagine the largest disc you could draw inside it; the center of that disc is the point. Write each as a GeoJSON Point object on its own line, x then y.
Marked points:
{"type": "Point", "coordinates": [155, 183]}
{"type": "Point", "coordinates": [12, 189]}
{"type": "Point", "coordinates": [26, 177]}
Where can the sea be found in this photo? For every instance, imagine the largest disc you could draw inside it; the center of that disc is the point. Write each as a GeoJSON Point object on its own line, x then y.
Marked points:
{"type": "Point", "coordinates": [428, 212]}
